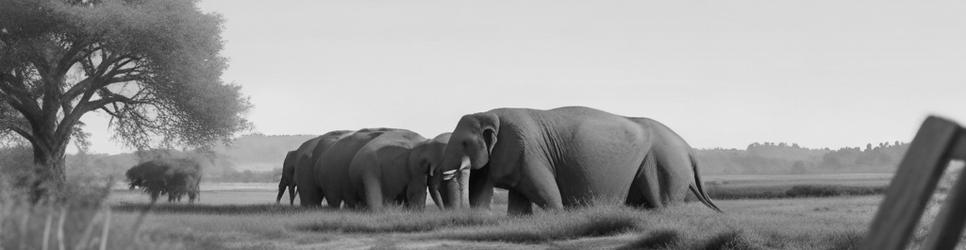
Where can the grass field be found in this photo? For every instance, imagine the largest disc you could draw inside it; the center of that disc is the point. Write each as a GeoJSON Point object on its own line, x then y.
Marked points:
{"type": "Point", "coordinates": [824, 214]}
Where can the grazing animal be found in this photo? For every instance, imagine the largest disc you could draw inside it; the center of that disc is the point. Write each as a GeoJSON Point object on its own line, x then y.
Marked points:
{"type": "Point", "coordinates": [567, 157]}
{"type": "Point", "coordinates": [173, 177]}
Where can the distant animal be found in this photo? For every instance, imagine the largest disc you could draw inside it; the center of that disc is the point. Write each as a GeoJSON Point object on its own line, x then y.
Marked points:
{"type": "Point", "coordinates": [172, 177]}
{"type": "Point", "coordinates": [567, 157]}
{"type": "Point", "coordinates": [286, 182]}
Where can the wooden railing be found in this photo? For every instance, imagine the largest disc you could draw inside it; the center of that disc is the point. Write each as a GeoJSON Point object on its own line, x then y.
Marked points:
{"type": "Point", "coordinates": [937, 143]}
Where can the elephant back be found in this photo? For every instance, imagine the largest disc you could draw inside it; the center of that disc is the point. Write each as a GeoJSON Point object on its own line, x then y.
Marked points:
{"type": "Point", "coordinates": [333, 164]}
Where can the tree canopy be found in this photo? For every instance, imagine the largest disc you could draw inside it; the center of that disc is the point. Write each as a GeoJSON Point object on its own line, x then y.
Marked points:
{"type": "Point", "coordinates": [153, 66]}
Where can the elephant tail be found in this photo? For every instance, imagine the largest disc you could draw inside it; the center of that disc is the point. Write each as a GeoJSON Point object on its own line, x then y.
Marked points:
{"type": "Point", "coordinates": [697, 187]}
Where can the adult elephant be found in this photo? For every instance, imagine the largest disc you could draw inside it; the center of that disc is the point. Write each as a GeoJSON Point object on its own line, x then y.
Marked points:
{"type": "Point", "coordinates": [430, 153]}
{"type": "Point", "coordinates": [305, 174]}
{"type": "Point", "coordinates": [392, 169]}
{"type": "Point", "coordinates": [174, 177]}
{"type": "Point", "coordinates": [286, 182]}
{"type": "Point", "coordinates": [183, 179]}
{"type": "Point", "coordinates": [567, 157]}
{"type": "Point", "coordinates": [333, 164]}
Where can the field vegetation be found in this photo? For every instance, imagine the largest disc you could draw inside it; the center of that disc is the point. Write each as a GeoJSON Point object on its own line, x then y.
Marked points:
{"type": "Point", "coordinates": [760, 213]}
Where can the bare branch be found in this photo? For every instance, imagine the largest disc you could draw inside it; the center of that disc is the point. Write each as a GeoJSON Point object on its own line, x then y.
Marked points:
{"type": "Point", "coordinates": [21, 132]}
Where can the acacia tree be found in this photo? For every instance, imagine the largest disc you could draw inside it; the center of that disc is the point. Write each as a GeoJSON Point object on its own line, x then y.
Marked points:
{"type": "Point", "coordinates": [153, 66]}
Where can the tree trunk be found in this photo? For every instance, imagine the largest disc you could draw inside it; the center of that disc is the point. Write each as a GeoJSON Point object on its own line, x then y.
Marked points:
{"type": "Point", "coordinates": [51, 166]}
{"type": "Point", "coordinates": [49, 172]}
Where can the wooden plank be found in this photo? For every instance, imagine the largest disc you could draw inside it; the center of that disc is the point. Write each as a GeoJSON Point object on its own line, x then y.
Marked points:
{"type": "Point", "coordinates": [959, 149]}
{"type": "Point", "coordinates": [912, 186]}
{"type": "Point", "coordinates": [948, 225]}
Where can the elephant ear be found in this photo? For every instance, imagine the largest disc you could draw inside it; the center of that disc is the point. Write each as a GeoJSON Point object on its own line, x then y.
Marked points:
{"type": "Point", "coordinates": [489, 137]}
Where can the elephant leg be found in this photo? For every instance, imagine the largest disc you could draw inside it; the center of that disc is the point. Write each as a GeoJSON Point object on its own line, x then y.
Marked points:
{"type": "Point", "coordinates": [646, 186]}
{"type": "Point", "coordinates": [480, 188]}
{"type": "Point", "coordinates": [373, 193]}
{"type": "Point", "coordinates": [291, 195]}
{"type": "Point", "coordinates": [518, 204]}
{"type": "Point", "coordinates": [334, 203]}
{"type": "Point", "coordinates": [540, 186]}
{"type": "Point", "coordinates": [310, 197]}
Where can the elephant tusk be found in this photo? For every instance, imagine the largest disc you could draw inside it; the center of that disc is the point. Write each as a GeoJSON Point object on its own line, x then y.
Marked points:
{"type": "Point", "coordinates": [449, 175]}
{"type": "Point", "coordinates": [465, 163]}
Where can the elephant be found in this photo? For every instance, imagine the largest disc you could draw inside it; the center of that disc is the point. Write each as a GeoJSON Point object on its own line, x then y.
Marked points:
{"type": "Point", "coordinates": [333, 165]}
{"type": "Point", "coordinates": [387, 170]}
{"type": "Point", "coordinates": [430, 152]}
{"type": "Point", "coordinates": [174, 177]}
{"type": "Point", "coordinates": [183, 181]}
{"type": "Point", "coordinates": [288, 171]}
{"type": "Point", "coordinates": [567, 157]}
{"type": "Point", "coordinates": [305, 174]}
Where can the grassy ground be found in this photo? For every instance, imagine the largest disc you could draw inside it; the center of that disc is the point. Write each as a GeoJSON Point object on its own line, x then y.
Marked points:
{"type": "Point", "coordinates": [812, 223]}
{"type": "Point", "coordinates": [758, 215]}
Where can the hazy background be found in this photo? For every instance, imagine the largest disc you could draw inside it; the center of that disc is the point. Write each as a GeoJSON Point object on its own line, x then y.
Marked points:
{"type": "Point", "coordinates": [720, 73]}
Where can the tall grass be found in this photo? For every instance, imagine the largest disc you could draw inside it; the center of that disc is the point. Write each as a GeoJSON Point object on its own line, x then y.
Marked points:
{"type": "Point", "coordinates": [75, 216]}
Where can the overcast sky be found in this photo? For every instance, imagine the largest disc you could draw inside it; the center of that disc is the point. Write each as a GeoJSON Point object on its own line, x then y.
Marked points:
{"type": "Point", "coordinates": [720, 73]}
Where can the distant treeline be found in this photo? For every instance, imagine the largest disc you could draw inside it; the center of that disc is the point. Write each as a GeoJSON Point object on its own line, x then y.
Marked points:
{"type": "Point", "coordinates": [215, 167]}
{"type": "Point", "coordinates": [784, 158]}
{"type": "Point", "coordinates": [258, 158]}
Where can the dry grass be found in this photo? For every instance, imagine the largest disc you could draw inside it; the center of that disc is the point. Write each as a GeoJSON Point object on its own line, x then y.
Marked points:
{"type": "Point", "coordinates": [833, 220]}
{"type": "Point", "coordinates": [814, 223]}
{"type": "Point", "coordinates": [397, 220]}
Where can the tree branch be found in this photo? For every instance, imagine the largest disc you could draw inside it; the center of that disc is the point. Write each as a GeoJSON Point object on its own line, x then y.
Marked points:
{"type": "Point", "coordinates": [24, 133]}
{"type": "Point", "coordinates": [72, 55]}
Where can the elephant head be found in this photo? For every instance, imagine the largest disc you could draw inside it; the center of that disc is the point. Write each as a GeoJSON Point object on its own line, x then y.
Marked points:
{"type": "Point", "coordinates": [469, 147]}
{"type": "Point", "coordinates": [287, 181]}
{"type": "Point", "coordinates": [424, 157]}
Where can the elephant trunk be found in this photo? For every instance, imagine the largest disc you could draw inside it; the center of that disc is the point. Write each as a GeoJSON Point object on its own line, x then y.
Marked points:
{"type": "Point", "coordinates": [451, 188]}
{"type": "Point", "coordinates": [434, 184]}
{"type": "Point", "coordinates": [452, 184]}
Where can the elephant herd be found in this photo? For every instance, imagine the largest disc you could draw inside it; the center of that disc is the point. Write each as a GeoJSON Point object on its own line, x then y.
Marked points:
{"type": "Point", "coordinates": [563, 157]}
{"type": "Point", "coordinates": [368, 168]}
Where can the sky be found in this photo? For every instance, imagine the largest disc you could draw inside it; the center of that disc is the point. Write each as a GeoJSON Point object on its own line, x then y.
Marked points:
{"type": "Point", "coordinates": [819, 73]}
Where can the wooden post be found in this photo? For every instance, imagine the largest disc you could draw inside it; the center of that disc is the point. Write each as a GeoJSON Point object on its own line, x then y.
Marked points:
{"type": "Point", "coordinates": [948, 225]}
{"type": "Point", "coordinates": [912, 186]}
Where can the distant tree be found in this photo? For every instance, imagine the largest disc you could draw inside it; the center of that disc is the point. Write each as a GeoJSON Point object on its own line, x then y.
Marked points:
{"type": "Point", "coordinates": [868, 147]}
{"type": "Point", "coordinates": [153, 66]}
{"type": "Point", "coordinates": [798, 168]}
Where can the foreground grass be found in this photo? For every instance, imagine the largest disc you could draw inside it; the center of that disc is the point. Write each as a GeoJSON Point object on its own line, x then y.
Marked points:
{"type": "Point", "coordinates": [812, 223]}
